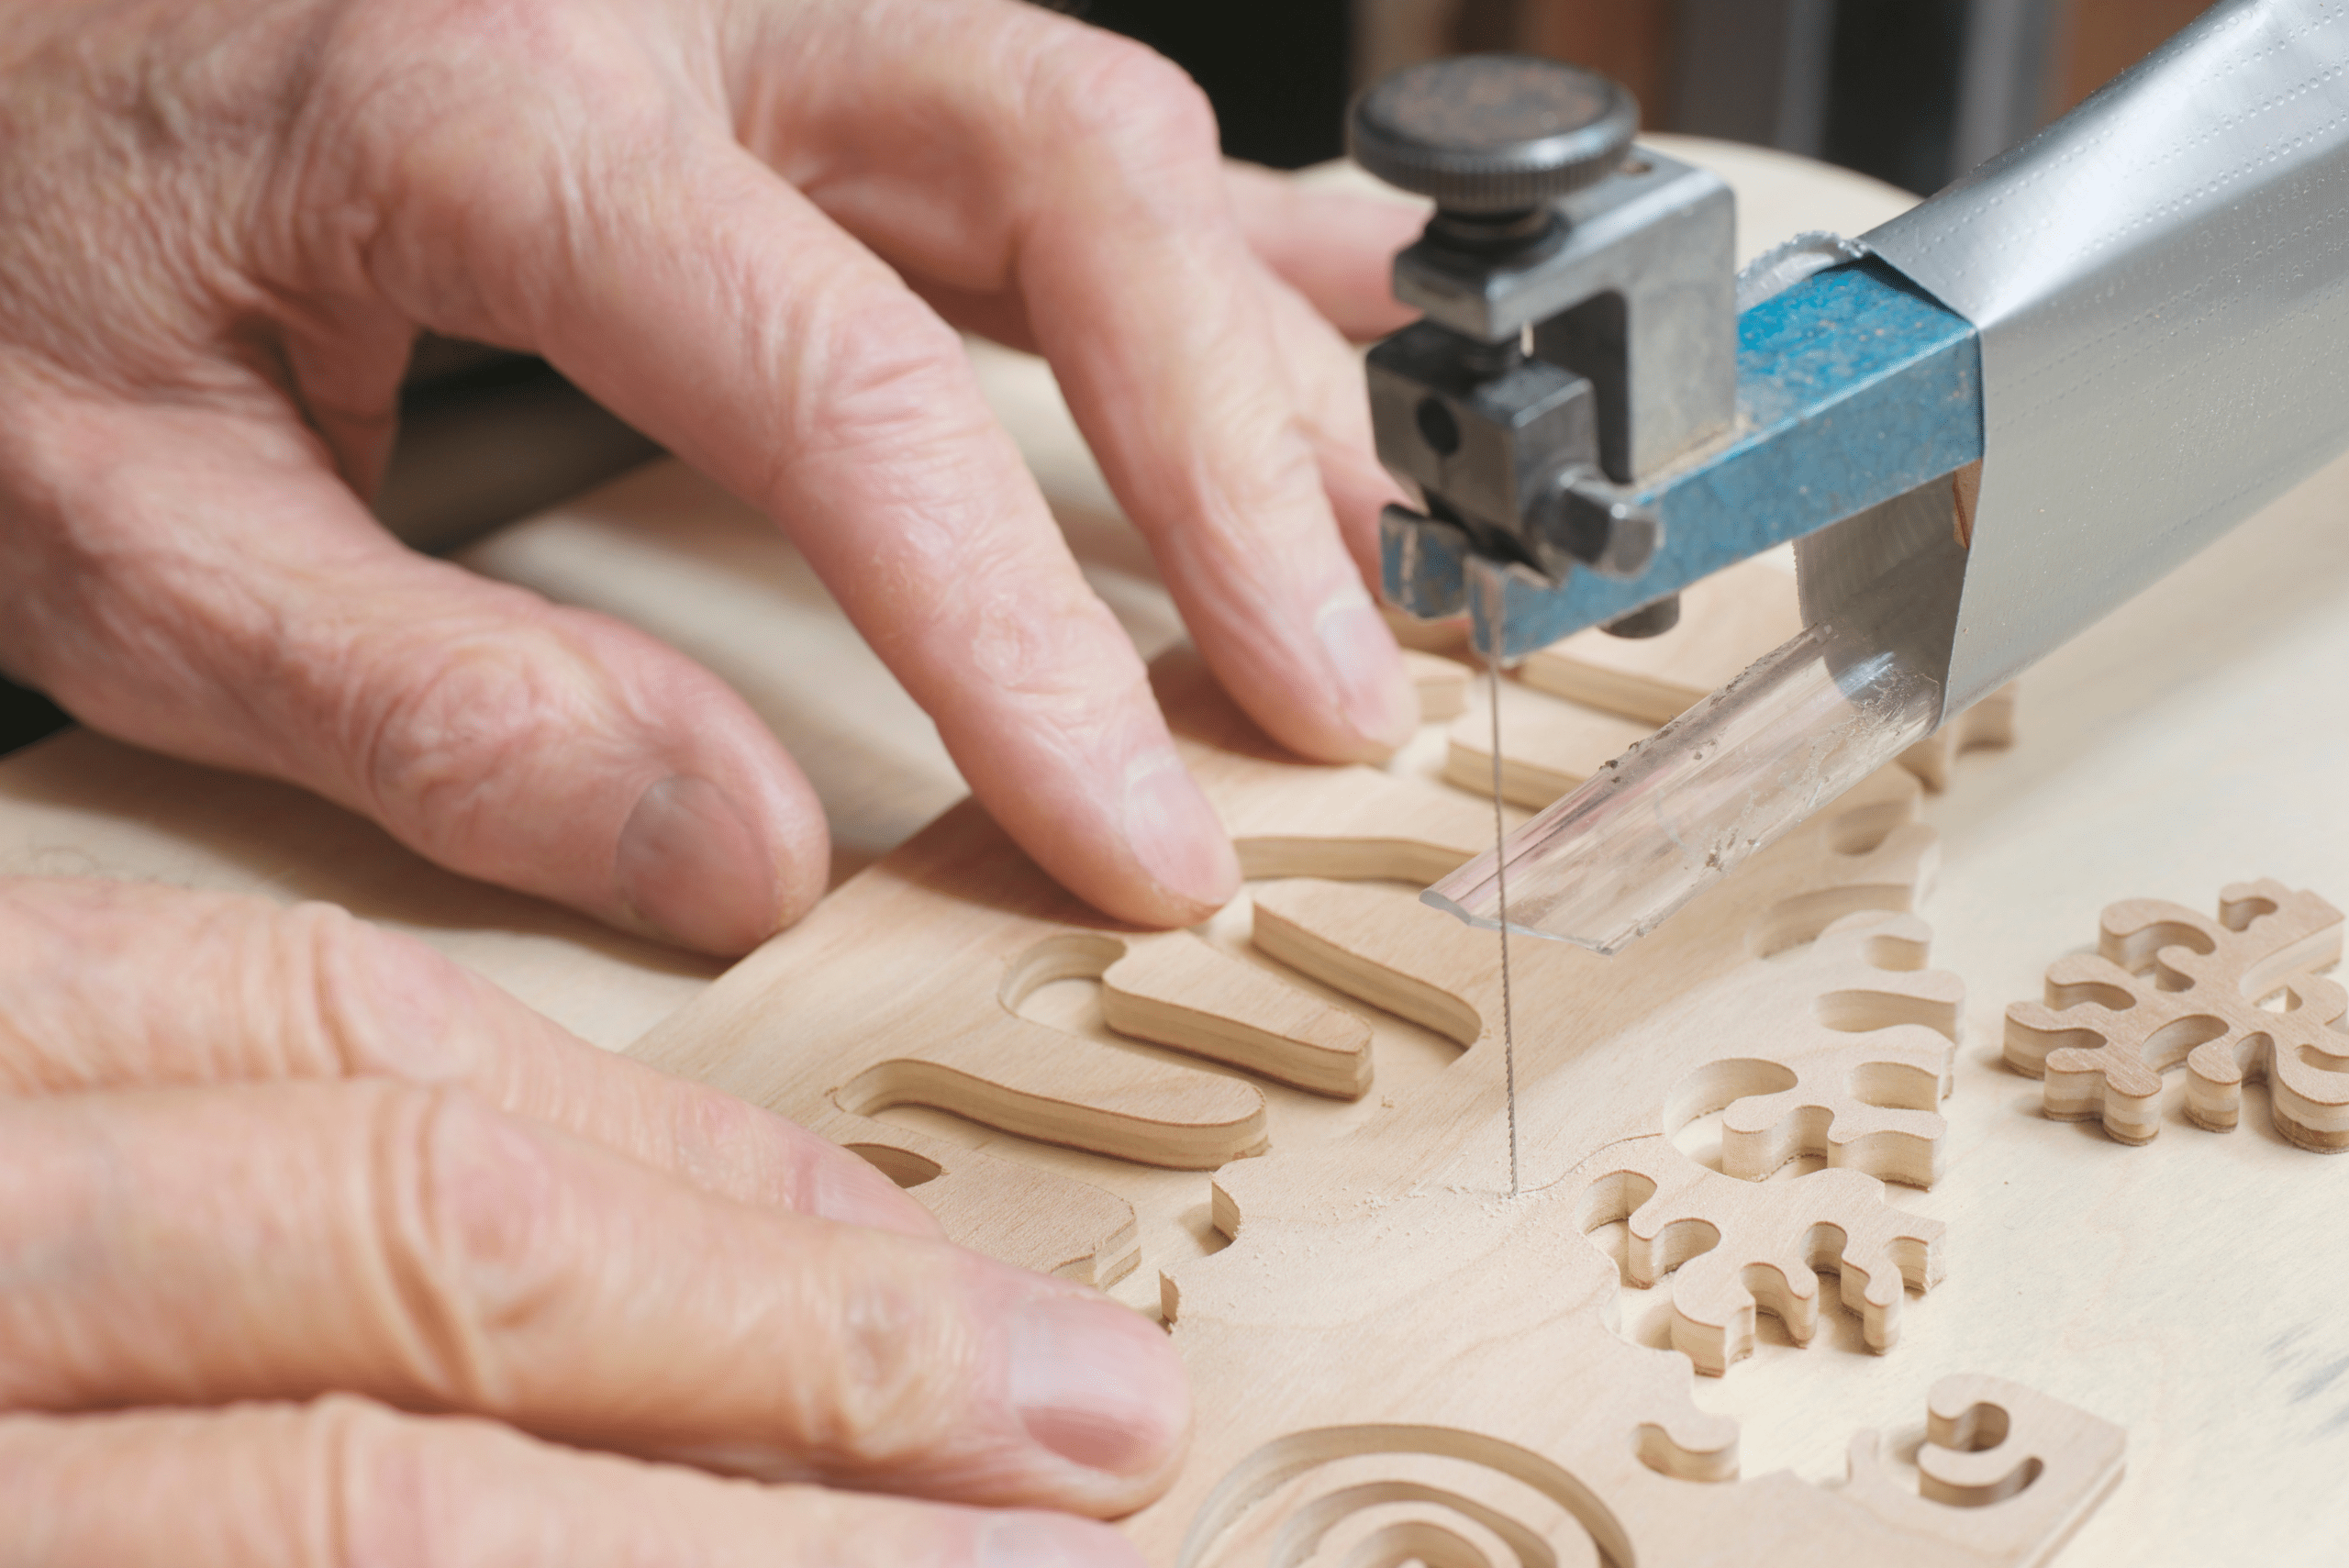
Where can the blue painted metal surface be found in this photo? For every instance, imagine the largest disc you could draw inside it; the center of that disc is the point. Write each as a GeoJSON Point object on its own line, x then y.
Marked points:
{"type": "Point", "coordinates": [1852, 388]}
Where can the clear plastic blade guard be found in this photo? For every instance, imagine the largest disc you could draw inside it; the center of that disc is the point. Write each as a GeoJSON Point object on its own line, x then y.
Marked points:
{"type": "Point", "coordinates": [1680, 810]}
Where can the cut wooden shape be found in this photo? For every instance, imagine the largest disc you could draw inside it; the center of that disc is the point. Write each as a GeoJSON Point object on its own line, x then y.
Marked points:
{"type": "Point", "coordinates": [1735, 1248]}
{"type": "Point", "coordinates": [1036, 1081]}
{"type": "Point", "coordinates": [1865, 1106]}
{"type": "Point", "coordinates": [903, 988]}
{"type": "Point", "coordinates": [2168, 984]}
{"type": "Point", "coordinates": [1727, 621]}
{"type": "Point", "coordinates": [1341, 1497]}
{"type": "Point", "coordinates": [2005, 1469]}
{"type": "Point", "coordinates": [1441, 684]}
{"type": "Point", "coordinates": [1547, 747]}
{"type": "Point", "coordinates": [1175, 990]}
{"type": "Point", "coordinates": [1853, 1045]}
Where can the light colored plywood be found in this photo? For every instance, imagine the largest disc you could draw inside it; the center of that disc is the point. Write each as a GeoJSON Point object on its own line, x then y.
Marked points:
{"type": "Point", "coordinates": [1384, 1280]}
{"type": "Point", "coordinates": [1418, 1346]}
{"type": "Point", "coordinates": [2168, 985]}
{"type": "Point", "coordinates": [2189, 1294]}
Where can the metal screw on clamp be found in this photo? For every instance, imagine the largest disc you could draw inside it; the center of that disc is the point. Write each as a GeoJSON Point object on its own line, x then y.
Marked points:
{"type": "Point", "coordinates": [1494, 139]}
{"type": "Point", "coordinates": [1579, 327]}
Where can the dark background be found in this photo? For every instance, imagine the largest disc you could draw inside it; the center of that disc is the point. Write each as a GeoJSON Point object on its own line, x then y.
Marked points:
{"type": "Point", "coordinates": [26, 717]}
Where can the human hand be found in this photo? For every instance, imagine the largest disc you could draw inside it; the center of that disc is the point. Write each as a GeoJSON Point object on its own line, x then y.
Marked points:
{"type": "Point", "coordinates": [316, 1249]}
{"type": "Point", "coordinates": [745, 226]}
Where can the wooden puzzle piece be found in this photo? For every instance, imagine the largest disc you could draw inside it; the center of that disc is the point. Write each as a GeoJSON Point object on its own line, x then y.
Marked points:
{"type": "Point", "coordinates": [1735, 1248]}
{"type": "Point", "coordinates": [2168, 984]}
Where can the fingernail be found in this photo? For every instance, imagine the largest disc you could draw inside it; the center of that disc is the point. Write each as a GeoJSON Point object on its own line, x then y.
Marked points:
{"type": "Point", "coordinates": [1175, 833]}
{"type": "Point", "coordinates": [691, 869]}
{"type": "Point", "coordinates": [1052, 1540]}
{"type": "Point", "coordinates": [1374, 693]}
{"type": "Point", "coordinates": [1097, 1385]}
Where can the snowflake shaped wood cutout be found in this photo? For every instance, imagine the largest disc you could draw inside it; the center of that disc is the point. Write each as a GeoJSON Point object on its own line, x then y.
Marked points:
{"type": "Point", "coordinates": [2235, 998]}
{"type": "Point", "coordinates": [1734, 1248]}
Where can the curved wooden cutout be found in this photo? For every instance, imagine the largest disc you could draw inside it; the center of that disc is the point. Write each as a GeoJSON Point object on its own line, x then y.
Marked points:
{"type": "Point", "coordinates": [2168, 985]}
{"type": "Point", "coordinates": [903, 989]}
{"type": "Point", "coordinates": [1735, 1248]}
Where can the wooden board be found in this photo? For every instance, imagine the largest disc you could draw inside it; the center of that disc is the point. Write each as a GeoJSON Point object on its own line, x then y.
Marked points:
{"type": "Point", "coordinates": [2188, 1291]}
{"type": "Point", "coordinates": [1384, 1279]}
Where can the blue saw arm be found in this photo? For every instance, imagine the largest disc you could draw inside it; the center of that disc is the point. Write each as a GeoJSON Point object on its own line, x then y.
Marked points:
{"type": "Point", "coordinates": [1852, 388]}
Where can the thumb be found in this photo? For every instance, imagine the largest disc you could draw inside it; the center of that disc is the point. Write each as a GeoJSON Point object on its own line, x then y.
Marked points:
{"type": "Point", "coordinates": [197, 580]}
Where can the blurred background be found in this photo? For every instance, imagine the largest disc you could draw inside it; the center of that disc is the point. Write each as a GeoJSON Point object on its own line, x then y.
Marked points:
{"type": "Point", "coordinates": [1913, 92]}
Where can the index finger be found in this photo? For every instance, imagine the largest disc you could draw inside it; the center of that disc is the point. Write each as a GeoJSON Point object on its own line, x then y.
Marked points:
{"type": "Point", "coordinates": [677, 279]}
{"type": "Point", "coordinates": [1079, 172]}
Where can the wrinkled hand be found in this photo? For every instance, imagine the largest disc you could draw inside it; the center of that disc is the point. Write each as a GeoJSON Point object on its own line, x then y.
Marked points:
{"type": "Point", "coordinates": [745, 226]}
{"type": "Point", "coordinates": [303, 1229]}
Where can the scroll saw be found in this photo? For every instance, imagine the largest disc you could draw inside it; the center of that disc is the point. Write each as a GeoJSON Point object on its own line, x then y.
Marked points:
{"type": "Point", "coordinates": [2135, 324]}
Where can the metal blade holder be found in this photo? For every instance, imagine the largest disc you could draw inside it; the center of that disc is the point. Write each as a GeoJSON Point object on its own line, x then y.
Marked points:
{"type": "Point", "coordinates": [1579, 333]}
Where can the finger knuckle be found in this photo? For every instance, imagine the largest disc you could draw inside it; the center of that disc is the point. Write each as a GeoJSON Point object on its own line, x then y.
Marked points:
{"type": "Point", "coordinates": [369, 1002]}
{"type": "Point", "coordinates": [902, 1365]}
{"type": "Point", "coordinates": [374, 1480]}
{"type": "Point", "coordinates": [386, 1490]}
{"type": "Point", "coordinates": [475, 1215]}
{"type": "Point", "coordinates": [311, 952]}
{"type": "Point", "coordinates": [1111, 94]}
{"type": "Point", "coordinates": [880, 370]}
{"type": "Point", "coordinates": [435, 747]}
{"type": "Point", "coordinates": [1054, 642]}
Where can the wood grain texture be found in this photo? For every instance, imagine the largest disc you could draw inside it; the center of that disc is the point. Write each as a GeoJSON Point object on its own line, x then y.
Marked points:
{"type": "Point", "coordinates": [906, 986]}
{"type": "Point", "coordinates": [2168, 985]}
{"type": "Point", "coordinates": [1384, 1280]}
{"type": "Point", "coordinates": [1418, 1346]}
{"type": "Point", "coordinates": [2191, 1294]}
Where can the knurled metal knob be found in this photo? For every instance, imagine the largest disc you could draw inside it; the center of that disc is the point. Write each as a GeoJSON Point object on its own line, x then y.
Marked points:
{"type": "Point", "coordinates": [1492, 133]}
